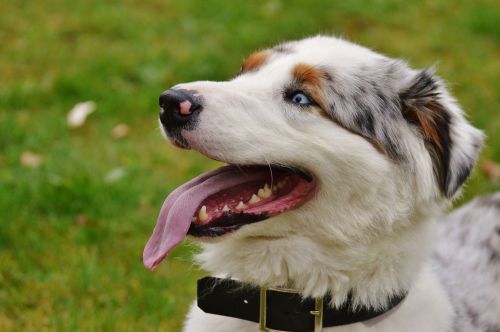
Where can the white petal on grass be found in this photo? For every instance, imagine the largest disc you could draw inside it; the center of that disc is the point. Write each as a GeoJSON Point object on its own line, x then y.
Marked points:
{"type": "Point", "coordinates": [491, 169]}
{"type": "Point", "coordinates": [115, 174]}
{"type": "Point", "coordinates": [30, 159]}
{"type": "Point", "coordinates": [54, 179]}
{"type": "Point", "coordinates": [121, 130]}
{"type": "Point", "coordinates": [79, 112]}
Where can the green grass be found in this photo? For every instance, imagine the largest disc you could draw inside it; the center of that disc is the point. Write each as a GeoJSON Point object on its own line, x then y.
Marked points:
{"type": "Point", "coordinates": [61, 271]}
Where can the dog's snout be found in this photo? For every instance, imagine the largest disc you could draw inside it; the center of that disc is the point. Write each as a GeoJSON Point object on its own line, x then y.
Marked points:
{"type": "Point", "coordinates": [179, 108]}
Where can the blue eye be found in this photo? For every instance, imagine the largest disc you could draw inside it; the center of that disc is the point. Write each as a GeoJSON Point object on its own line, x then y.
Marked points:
{"type": "Point", "coordinates": [301, 99]}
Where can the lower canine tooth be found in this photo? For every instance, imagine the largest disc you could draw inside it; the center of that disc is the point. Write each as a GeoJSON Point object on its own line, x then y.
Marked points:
{"type": "Point", "coordinates": [254, 199]}
{"type": "Point", "coordinates": [241, 205]}
{"type": "Point", "coordinates": [225, 208]}
{"type": "Point", "coordinates": [202, 215]}
{"type": "Point", "coordinates": [265, 192]}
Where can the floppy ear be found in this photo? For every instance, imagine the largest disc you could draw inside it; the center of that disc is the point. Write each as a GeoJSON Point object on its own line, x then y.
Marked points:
{"type": "Point", "coordinates": [452, 142]}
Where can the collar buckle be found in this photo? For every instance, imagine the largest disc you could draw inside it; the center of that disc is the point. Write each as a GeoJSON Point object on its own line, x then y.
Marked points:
{"type": "Point", "coordinates": [317, 312]}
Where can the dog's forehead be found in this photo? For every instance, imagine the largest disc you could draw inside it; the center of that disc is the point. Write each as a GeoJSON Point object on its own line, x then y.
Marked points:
{"type": "Point", "coordinates": [330, 50]}
{"type": "Point", "coordinates": [325, 52]}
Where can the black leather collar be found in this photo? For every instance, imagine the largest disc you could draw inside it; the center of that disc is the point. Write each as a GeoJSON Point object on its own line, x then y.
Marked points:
{"type": "Point", "coordinates": [285, 311]}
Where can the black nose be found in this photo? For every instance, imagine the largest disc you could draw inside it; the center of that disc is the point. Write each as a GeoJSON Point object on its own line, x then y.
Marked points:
{"type": "Point", "coordinates": [179, 109]}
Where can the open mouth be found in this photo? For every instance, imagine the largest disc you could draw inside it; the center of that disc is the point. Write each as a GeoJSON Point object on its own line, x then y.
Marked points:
{"type": "Point", "coordinates": [224, 200]}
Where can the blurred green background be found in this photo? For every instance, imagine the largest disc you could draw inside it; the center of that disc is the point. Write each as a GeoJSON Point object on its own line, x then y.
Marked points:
{"type": "Point", "coordinates": [78, 205]}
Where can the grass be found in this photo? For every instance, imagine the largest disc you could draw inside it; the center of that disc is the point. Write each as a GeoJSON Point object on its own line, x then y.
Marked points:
{"type": "Point", "coordinates": [70, 240]}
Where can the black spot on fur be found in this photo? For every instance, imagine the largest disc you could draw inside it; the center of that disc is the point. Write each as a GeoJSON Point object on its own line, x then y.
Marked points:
{"type": "Point", "coordinates": [342, 97]}
{"type": "Point", "coordinates": [473, 315]}
{"type": "Point", "coordinates": [381, 96]}
{"type": "Point", "coordinates": [327, 76]}
{"type": "Point", "coordinates": [285, 49]}
{"type": "Point", "coordinates": [364, 120]}
{"type": "Point", "coordinates": [443, 153]}
{"type": "Point", "coordinates": [390, 145]}
{"type": "Point", "coordinates": [494, 257]}
{"type": "Point", "coordinates": [462, 175]}
{"type": "Point", "coordinates": [392, 68]}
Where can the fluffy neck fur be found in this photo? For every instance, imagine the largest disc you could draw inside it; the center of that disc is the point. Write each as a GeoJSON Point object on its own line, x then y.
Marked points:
{"type": "Point", "coordinates": [372, 271]}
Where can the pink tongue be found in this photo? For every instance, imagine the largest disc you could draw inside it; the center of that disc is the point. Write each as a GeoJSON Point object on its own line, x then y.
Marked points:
{"type": "Point", "coordinates": [180, 206]}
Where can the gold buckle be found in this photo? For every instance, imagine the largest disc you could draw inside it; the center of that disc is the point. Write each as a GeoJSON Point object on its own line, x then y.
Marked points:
{"type": "Point", "coordinates": [317, 312]}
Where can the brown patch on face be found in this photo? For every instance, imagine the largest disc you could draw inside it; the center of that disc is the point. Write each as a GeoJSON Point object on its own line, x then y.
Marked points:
{"type": "Point", "coordinates": [254, 61]}
{"type": "Point", "coordinates": [308, 74]}
{"type": "Point", "coordinates": [311, 78]}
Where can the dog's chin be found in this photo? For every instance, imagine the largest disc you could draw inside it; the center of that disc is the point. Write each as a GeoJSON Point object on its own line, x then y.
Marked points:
{"type": "Point", "coordinates": [254, 234]}
{"type": "Point", "coordinates": [177, 140]}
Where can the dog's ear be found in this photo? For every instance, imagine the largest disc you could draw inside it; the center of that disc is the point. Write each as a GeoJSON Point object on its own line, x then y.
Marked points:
{"type": "Point", "coordinates": [452, 142]}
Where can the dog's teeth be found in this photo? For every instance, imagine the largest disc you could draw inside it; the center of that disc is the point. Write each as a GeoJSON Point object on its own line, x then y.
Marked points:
{"type": "Point", "coordinates": [265, 192]}
{"type": "Point", "coordinates": [202, 215]}
{"type": "Point", "coordinates": [241, 205]}
{"type": "Point", "coordinates": [194, 219]}
{"type": "Point", "coordinates": [254, 199]}
{"type": "Point", "coordinates": [225, 208]}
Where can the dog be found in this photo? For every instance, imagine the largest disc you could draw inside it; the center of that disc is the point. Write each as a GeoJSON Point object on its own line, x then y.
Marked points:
{"type": "Point", "coordinates": [340, 162]}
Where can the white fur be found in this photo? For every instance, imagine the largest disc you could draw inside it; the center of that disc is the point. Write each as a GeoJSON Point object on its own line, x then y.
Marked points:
{"type": "Point", "coordinates": [369, 228]}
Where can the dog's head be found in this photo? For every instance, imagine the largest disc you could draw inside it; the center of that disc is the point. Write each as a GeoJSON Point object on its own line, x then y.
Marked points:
{"type": "Point", "coordinates": [330, 145]}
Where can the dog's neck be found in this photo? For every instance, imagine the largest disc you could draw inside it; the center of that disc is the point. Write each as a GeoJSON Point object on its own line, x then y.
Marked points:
{"type": "Point", "coordinates": [372, 272]}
